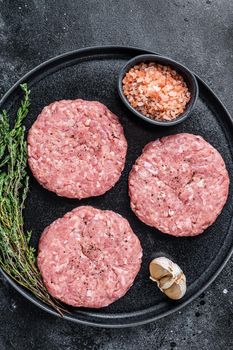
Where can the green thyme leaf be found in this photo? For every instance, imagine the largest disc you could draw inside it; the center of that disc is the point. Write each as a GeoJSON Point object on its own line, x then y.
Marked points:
{"type": "Point", "coordinates": [17, 257]}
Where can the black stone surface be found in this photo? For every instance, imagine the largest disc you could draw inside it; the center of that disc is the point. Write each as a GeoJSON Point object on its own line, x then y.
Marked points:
{"type": "Point", "coordinates": [198, 34]}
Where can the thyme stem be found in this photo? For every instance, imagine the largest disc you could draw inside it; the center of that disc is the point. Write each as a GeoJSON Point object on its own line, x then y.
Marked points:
{"type": "Point", "coordinates": [17, 257]}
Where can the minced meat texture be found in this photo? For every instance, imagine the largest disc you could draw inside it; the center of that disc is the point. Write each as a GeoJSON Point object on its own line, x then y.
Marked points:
{"type": "Point", "coordinates": [89, 257]}
{"type": "Point", "coordinates": [77, 148]}
{"type": "Point", "coordinates": [179, 185]}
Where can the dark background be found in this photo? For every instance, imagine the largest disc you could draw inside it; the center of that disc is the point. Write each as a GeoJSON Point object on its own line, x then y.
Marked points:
{"type": "Point", "coordinates": [197, 33]}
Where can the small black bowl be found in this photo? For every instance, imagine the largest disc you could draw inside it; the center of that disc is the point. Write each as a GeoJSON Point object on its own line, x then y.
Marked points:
{"type": "Point", "coordinates": [188, 76]}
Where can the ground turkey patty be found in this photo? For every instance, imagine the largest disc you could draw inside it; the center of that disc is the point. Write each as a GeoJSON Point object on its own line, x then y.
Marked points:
{"type": "Point", "coordinates": [179, 185]}
{"type": "Point", "coordinates": [89, 258]}
{"type": "Point", "coordinates": [77, 148]}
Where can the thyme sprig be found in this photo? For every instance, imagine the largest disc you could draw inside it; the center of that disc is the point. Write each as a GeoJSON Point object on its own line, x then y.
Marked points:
{"type": "Point", "coordinates": [17, 257]}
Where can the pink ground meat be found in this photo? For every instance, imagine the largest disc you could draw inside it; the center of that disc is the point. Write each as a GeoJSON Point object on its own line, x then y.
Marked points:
{"type": "Point", "coordinates": [77, 148]}
{"type": "Point", "coordinates": [179, 185]}
{"type": "Point", "coordinates": [89, 257]}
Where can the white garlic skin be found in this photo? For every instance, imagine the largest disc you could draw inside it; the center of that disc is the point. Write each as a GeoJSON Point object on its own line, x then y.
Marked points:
{"type": "Point", "coordinates": [169, 277]}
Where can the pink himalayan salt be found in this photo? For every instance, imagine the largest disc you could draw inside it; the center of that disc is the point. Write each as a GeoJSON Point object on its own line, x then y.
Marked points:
{"type": "Point", "coordinates": [156, 91]}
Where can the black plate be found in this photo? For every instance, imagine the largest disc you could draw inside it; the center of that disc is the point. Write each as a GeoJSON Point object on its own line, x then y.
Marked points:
{"type": "Point", "coordinates": [92, 74]}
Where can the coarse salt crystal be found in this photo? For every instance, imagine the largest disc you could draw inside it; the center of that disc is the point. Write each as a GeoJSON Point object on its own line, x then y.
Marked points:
{"type": "Point", "coordinates": [156, 91]}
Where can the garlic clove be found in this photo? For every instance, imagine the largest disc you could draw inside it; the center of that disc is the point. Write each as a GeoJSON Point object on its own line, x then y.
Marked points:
{"type": "Point", "coordinates": [169, 277]}
{"type": "Point", "coordinates": [166, 282]}
{"type": "Point", "coordinates": [157, 270]}
{"type": "Point", "coordinates": [177, 290]}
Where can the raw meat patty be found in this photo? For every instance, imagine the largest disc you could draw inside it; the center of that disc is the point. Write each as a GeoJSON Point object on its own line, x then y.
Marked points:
{"type": "Point", "coordinates": [77, 148]}
{"type": "Point", "coordinates": [179, 185]}
{"type": "Point", "coordinates": [89, 258]}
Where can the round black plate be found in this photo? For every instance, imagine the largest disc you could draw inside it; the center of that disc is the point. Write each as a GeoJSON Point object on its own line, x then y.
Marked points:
{"type": "Point", "coordinates": [92, 74]}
